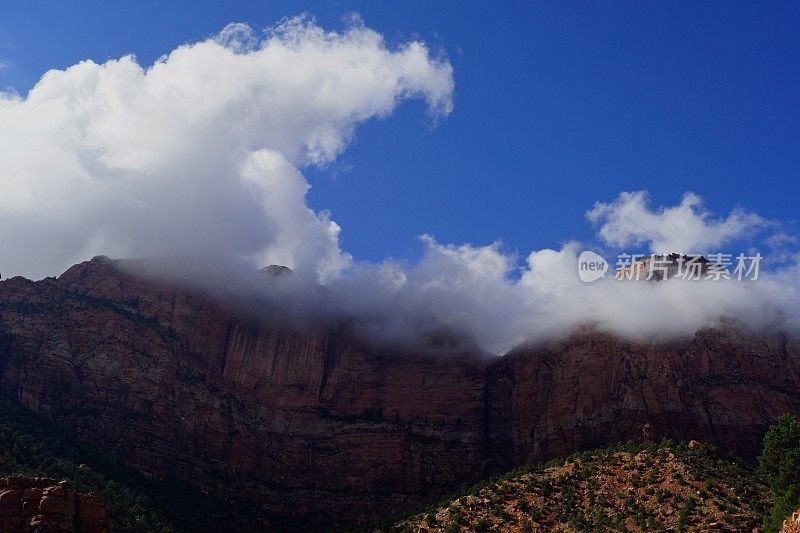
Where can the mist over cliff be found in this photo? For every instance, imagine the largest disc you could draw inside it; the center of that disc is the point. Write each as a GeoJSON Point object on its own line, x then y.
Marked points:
{"type": "Point", "coordinates": [196, 163]}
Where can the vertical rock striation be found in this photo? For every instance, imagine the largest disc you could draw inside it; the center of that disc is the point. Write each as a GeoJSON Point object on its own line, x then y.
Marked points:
{"type": "Point", "coordinates": [591, 389]}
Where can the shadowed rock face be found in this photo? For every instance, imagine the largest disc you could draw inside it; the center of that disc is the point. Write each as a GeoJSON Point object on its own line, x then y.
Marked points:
{"type": "Point", "coordinates": [590, 389]}
{"type": "Point", "coordinates": [298, 423]}
{"type": "Point", "coordinates": [311, 422]}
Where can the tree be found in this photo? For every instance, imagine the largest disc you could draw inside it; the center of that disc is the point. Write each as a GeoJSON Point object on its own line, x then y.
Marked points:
{"type": "Point", "coordinates": [780, 464]}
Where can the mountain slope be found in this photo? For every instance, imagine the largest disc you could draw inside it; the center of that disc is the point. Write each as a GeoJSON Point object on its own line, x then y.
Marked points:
{"type": "Point", "coordinates": [623, 488]}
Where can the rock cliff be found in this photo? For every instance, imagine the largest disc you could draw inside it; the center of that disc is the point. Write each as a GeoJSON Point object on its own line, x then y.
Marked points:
{"type": "Point", "coordinates": [311, 422]}
{"type": "Point", "coordinates": [589, 390]}
{"type": "Point", "coordinates": [299, 423]}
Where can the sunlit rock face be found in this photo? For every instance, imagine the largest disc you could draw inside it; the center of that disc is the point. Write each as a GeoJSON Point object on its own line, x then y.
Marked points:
{"type": "Point", "coordinates": [43, 504]}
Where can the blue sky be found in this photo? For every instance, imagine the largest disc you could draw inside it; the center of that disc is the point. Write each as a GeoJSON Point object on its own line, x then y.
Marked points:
{"type": "Point", "coordinates": [557, 105]}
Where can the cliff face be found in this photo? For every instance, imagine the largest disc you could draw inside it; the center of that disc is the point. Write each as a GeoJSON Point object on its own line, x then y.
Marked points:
{"type": "Point", "coordinates": [310, 422]}
{"type": "Point", "coordinates": [297, 423]}
{"type": "Point", "coordinates": [590, 390]}
{"type": "Point", "coordinates": [41, 504]}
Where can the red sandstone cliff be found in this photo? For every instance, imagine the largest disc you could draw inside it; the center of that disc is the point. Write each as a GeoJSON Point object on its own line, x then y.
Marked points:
{"type": "Point", "coordinates": [298, 423]}
{"type": "Point", "coordinates": [590, 389]}
{"type": "Point", "coordinates": [311, 422]}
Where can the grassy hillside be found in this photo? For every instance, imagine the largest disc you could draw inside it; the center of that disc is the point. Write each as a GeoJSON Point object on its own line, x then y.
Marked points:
{"type": "Point", "coordinates": [33, 446]}
{"type": "Point", "coordinates": [625, 488]}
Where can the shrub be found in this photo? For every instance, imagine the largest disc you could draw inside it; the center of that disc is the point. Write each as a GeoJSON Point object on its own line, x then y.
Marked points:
{"type": "Point", "coordinates": [452, 528]}
{"type": "Point", "coordinates": [780, 464]}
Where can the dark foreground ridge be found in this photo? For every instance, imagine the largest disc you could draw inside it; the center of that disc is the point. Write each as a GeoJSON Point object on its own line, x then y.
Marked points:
{"type": "Point", "coordinates": [32, 449]}
{"type": "Point", "coordinates": [313, 424]}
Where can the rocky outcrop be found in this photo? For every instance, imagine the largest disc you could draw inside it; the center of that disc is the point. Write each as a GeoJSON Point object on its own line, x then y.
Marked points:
{"type": "Point", "coordinates": [308, 421]}
{"type": "Point", "coordinates": [45, 506]}
{"type": "Point", "coordinates": [792, 524]}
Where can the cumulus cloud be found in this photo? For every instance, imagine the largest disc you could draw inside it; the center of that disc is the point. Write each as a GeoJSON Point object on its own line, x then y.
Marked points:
{"type": "Point", "coordinates": [479, 294]}
{"type": "Point", "coordinates": [197, 161]}
{"type": "Point", "coordinates": [483, 294]}
{"type": "Point", "coordinates": [683, 228]}
{"type": "Point", "coordinates": [455, 293]}
{"type": "Point", "coordinates": [201, 153]}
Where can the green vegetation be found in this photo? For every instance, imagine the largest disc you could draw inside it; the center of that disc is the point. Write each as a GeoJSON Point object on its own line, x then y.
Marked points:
{"type": "Point", "coordinates": [780, 464]}
{"type": "Point", "coordinates": [31, 445]}
{"type": "Point", "coordinates": [628, 487]}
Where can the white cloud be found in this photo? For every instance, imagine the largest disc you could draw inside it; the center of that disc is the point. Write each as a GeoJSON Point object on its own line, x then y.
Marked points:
{"type": "Point", "coordinates": [479, 292]}
{"type": "Point", "coordinates": [474, 291]}
{"type": "Point", "coordinates": [684, 228]}
{"type": "Point", "coordinates": [199, 154]}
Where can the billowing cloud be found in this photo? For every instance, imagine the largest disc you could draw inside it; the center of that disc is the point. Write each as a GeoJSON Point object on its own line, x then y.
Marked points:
{"type": "Point", "coordinates": [198, 158]}
{"type": "Point", "coordinates": [683, 228]}
{"type": "Point", "coordinates": [479, 293]}
{"type": "Point", "coordinates": [484, 294]}
{"type": "Point", "coordinates": [199, 154]}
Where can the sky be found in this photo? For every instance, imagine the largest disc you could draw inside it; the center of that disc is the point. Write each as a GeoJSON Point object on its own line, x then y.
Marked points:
{"type": "Point", "coordinates": [438, 168]}
{"type": "Point", "coordinates": [556, 106]}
